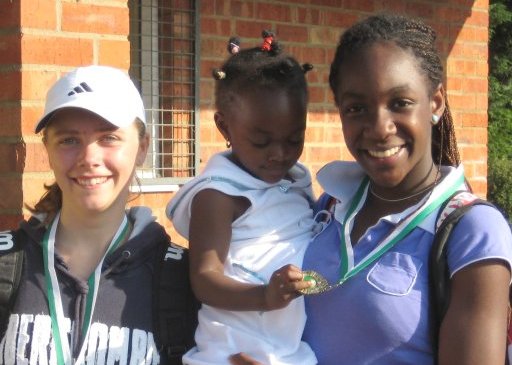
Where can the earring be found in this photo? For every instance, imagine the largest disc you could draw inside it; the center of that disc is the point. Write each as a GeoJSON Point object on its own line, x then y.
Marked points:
{"type": "Point", "coordinates": [435, 119]}
{"type": "Point", "coordinates": [228, 144]}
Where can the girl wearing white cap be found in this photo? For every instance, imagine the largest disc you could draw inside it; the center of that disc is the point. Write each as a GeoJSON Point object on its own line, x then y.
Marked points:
{"type": "Point", "coordinates": [86, 289]}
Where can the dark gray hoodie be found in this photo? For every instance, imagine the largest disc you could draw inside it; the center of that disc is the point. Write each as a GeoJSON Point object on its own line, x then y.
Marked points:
{"type": "Point", "coordinates": [121, 329]}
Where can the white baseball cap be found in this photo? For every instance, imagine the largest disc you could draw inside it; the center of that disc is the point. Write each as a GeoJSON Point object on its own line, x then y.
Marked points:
{"type": "Point", "coordinates": [105, 91]}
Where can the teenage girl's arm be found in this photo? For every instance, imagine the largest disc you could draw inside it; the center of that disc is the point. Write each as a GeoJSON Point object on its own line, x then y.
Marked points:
{"type": "Point", "coordinates": [474, 328]}
{"type": "Point", "coordinates": [212, 214]}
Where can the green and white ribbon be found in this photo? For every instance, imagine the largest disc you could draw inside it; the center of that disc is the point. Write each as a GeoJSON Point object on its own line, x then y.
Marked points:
{"type": "Point", "coordinates": [453, 182]}
{"type": "Point", "coordinates": [62, 345]}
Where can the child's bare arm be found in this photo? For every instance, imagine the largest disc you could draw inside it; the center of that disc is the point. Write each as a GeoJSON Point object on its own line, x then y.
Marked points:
{"type": "Point", "coordinates": [210, 234]}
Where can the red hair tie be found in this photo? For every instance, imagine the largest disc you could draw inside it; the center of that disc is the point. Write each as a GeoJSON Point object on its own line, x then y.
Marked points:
{"type": "Point", "coordinates": [268, 38]}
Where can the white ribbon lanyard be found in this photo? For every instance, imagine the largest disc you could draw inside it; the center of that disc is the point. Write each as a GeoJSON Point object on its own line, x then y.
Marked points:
{"type": "Point", "coordinates": [62, 345]}
{"type": "Point", "coordinates": [452, 183]}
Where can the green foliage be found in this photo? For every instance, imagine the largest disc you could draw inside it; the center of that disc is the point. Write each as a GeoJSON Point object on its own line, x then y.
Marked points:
{"type": "Point", "coordinates": [500, 105]}
{"type": "Point", "coordinates": [499, 184]}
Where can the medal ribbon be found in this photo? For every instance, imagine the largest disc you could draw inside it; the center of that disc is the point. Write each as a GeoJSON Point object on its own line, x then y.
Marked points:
{"type": "Point", "coordinates": [448, 186]}
{"type": "Point", "coordinates": [62, 345]}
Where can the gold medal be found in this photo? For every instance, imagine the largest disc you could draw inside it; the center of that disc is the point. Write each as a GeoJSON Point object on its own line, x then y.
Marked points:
{"type": "Point", "coordinates": [319, 283]}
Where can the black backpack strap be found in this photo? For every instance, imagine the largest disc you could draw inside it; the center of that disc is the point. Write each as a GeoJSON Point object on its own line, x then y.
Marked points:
{"type": "Point", "coordinates": [439, 276]}
{"type": "Point", "coordinates": [175, 306]}
{"type": "Point", "coordinates": [11, 264]}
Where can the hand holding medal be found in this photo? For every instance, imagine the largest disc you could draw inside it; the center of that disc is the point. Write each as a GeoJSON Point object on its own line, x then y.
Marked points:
{"type": "Point", "coordinates": [318, 284]}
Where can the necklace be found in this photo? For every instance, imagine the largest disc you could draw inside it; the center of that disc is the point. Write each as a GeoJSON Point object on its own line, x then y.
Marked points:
{"type": "Point", "coordinates": [431, 186]}
{"type": "Point", "coordinates": [413, 195]}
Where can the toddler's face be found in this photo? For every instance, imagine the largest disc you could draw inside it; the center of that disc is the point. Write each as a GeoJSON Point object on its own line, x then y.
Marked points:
{"type": "Point", "coordinates": [266, 131]}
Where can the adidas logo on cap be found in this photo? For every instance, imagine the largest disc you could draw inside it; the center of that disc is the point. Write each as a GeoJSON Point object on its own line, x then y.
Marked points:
{"type": "Point", "coordinates": [83, 87]}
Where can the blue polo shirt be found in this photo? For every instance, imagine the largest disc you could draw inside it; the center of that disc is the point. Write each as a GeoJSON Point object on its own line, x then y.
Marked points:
{"type": "Point", "coordinates": [381, 315]}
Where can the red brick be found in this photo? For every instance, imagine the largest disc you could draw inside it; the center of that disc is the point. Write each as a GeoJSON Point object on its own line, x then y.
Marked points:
{"type": "Point", "coordinates": [10, 14]}
{"type": "Point", "coordinates": [215, 48]}
{"type": "Point", "coordinates": [317, 94]}
{"type": "Point", "coordinates": [273, 12]}
{"type": "Point", "coordinates": [56, 50]}
{"type": "Point", "coordinates": [36, 158]}
{"type": "Point", "coordinates": [470, 50]}
{"type": "Point", "coordinates": [473, 153]}
{"type": "Point", "coordinates": [207, 67]}
{"type": "Point", "coordinates": [292, 33]}
{"type": "Point", "coordinates": [316, 116]}
{"type": "Point", "coordinates": [453, 15]}
{"type": "Point", "coordinates": [392, 6]}
{"type": "Point", "coordinates": [13, 92]}
{"type": "Point", "coordinates": [29, 117]}
{"type": "Point", "coordinates": [86, 18]}
{"type": "Point", "coordinates": [297, 51]}
{"type": "Point", "coordinates": [359, 5]}
{"type": "Point", "coordinates": [13, 157]}
{"type": "Point", "coordinates": [114, 53]}
{"type": "Point", "coordinates": [333, 135]}
{"type": "Point", "coordinates": [475, 85]}
{"type": "Point", "coordinates": [467, 135]}
{"type": "Point", "coordinates": [480, 34]}
{"type": "Point", "coordinates": [242, 9]}
{"type": "Point", "coordinates": [11, 193]}
{"type": "Point", "coordinates": [318, 75]}
{"type": "Point", "coordinates": [477, 119]}
{"type": "Point", "coordinates": [41, 14]}
{"type": "Point", "coordinates": [216, 26]}
{"type": "Point", "coordinates": [10, 49]}
{"type": "Point", "coordinates": [9, 221]}
{"type": "Point", "coordinates": [207, 8]}
{"type": "Point", "coordinates": [330, 3]}
{"type": "Point", "coordinates": [308, 15]}
{"type": "Point", "coordinates": [462, 67]}
{"type": "Point", "coordinates": [480, 169]}
{"type": "Point", "coordinates": [479, 18]}
{"type": "Point", "coordinates": [338, 19]}
{"type": "Point", "coordinates": [420, 10]}
{"type": "Point", "coordinates": [481, 68]}
{"type": "Point", "coordinates": [314, 133]}
{"type": "Point", "coordinates": [324, 36]}
{"type": "Point", "coordinates": [462, 101]}
{"type": "Point", "coordinates": [206, 91]}
{"type": "Point", "coordinates": [455, 83]}
{"type": "Point", "coordinates": [207, 134]}
{"type": "Point", "coordinates": [35, 84]}
{"type": "Point", "coordinates": [10, 120]}
{"type": "Point", "coordinates": [251, 29]}
{"type": "Point", "coordinates": [482, 102]}
{"type": "Point", "coordinates": [479, 186]}
{"type": "Point", "coordinates": [481, 4]}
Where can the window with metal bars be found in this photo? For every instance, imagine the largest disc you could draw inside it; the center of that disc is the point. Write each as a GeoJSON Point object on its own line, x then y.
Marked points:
{"type": "Point", "coordinates": [164, 40]}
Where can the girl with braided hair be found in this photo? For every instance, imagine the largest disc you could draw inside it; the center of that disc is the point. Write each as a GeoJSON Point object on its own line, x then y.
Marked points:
{"type": "Point", "coordinates": [387, 83]}
{"type": "Point", "coordinates": [248, 216]}
{"type": "Point", "coordinates": [386, 77]}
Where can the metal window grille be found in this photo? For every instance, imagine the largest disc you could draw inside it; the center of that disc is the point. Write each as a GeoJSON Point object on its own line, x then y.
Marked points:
{"type": "Point", "coordinates": [164, 59]}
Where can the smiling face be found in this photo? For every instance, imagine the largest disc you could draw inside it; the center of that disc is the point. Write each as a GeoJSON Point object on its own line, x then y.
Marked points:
{"type": "Point", "coordinates": [93, 161]}
{"type": "Point", "coordinates": [266, 132]}
{"type": "Point", "coordinates": [386, 106]}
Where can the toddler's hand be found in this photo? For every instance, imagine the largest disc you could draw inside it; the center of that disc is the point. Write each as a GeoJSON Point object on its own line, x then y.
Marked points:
{"type": "Point", "coordinates": [284, 286]}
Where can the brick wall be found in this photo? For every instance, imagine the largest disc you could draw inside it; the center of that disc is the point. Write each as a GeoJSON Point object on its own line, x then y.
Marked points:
{"type": "Point", "coordinates": [41, 39]}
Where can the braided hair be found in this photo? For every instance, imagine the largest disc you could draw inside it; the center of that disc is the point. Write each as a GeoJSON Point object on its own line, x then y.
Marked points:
{"type": "Point", "coordinates": [258, 69]}
{"type": "Point", "coordinates": [418, 38]}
